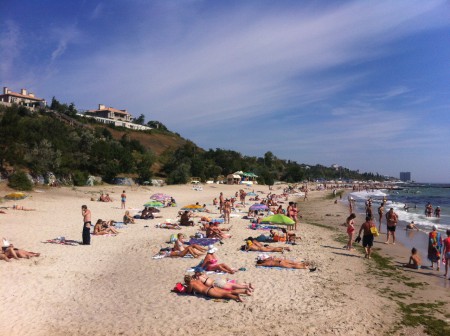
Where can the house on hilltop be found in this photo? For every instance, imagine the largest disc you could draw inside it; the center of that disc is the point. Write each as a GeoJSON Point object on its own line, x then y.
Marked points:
{"type": "Point", "coordinates": [113, 116]}
{"type": "Point", "coordinates": [24, 98]}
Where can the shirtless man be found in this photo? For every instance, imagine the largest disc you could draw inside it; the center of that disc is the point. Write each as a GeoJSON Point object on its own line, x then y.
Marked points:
{"type": "Point", "coordinates": [391, 220]}
{"type": "Point", "coordinates": [429, 210]}
{"type": "Point", "coordinates": [86, 213]}
{"type": "Point", "coordinates": [368, 237]}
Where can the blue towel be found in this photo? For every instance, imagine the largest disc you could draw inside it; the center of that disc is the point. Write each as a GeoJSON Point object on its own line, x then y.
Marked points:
{"type": "Point", "coordinates": [203, 241]}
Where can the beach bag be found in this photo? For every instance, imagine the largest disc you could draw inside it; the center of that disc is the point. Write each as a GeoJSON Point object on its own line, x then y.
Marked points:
{"type": "Point", "coordinates": [374, 231]}
{"type": "Point", "coordinates": [179, 288]}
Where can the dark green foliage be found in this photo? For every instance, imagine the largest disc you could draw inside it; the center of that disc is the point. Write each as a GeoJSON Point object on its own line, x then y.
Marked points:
{"type": "Point", "coordinates": [79, 178]}
{"type": "Point", "coordinates": [20, 181]}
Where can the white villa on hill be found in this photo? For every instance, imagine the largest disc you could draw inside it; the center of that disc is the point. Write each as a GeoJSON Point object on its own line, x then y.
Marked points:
{"type": "Point", "coordinates": [23, 98]}
{"type": "Point", "coordinates": [112, 116]}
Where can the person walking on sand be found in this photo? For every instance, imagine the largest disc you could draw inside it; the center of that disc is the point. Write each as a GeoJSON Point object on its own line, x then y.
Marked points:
{"type": "Point", "coordinates": [123, 199]}
{"type": "Point", "coordinates": [434, 247]}
{"type": "Point", "coordinates": [391, 221]}
{"type": "Point", "coordinates": [86, 213]}
{"type": "Point", "coordinates": [368, 237]}
{"type": "Point", "coordinates": [446, 252]}
{"type": "Point", "coordinates": [221, 202]}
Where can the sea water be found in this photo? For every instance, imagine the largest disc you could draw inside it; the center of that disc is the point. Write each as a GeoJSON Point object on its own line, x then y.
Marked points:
{"type": "Point", "coordinates": [409, 203]}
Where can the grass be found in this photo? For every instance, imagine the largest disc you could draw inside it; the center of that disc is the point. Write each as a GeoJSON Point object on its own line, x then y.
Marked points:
{"type": "Point", "coordinates": [423, 314]}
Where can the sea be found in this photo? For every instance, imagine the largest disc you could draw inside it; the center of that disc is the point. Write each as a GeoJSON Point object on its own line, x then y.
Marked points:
{"type": "Point", "coordinates": [409, 201]}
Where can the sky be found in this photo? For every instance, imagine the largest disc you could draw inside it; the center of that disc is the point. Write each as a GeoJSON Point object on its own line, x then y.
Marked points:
{"type": "Point", "coordinates": [361, 84]}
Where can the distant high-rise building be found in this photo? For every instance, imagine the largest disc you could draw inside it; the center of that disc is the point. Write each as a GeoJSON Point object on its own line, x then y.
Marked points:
{"type": "Point", "coordinates": [405, 176]}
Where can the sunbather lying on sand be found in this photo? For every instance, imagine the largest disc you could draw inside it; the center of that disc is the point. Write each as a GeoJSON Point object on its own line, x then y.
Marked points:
{"type": "Point", "coordinates": [210, 263]}
{"type": "Point", "coordinates": [253, 245]}
{"type": "Point", "coordinates": [10, 252]}
{"type": "Point", "coordinates": [20, 207]}
{"type": "Point", "coordinates": [267, 261]}
{"type": "Point", "coordinates": [179, 245]}
{"type": "Point", "coordinates": [213, 231]}
{"type": "Point", "coordinates": [197, 287]}
{"type": "Point", "coordinates": [178, 254]}
{"type": "Point", "coordinates": [226, 284]}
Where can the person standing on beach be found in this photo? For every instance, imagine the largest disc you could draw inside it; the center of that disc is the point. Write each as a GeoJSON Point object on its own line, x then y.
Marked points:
{"type": "Point", "coordinates": [380, 216]}
{"type": "Point", "coordinates": [350, 229]}
{"type": "Point", "coordinates": [435, 247]}
{"type": "Point", "coordinates": [226, 211]}
{"type": "Point", "coordinates": [391, 221]}
{"type": "Point", "coordinates": [368, 237]}
{"type": "Point", "coordinates": [446, 252]}
{"type": "Point", "coordinates": [86, 213]}
{"type": "Point", "coordinates": [437, 212]}
{"type": "Point", "coordinates": [123, 199]}
{"type": "Point", "coordinates": [350, 204]}
{"type": "Point", "coordinates": [221, 202]}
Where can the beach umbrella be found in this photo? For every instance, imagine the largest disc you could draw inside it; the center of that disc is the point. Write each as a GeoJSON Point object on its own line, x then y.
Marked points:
{"type": "Point", "coordinates": [258, 207]}
{"type": "Point", "coordinates": [155, 204]}
{"type": "Point", "coordinates": [196, 207]}
{"type": "Point", "coordinates": [160, 197]}
{"type": "Point", "coordinates": [278, 219]}
{"type": "Point", "coordinates": [16, 196]}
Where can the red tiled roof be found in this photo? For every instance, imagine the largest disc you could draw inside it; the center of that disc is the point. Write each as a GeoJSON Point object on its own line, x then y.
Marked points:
{"type": "Point", "coordinates": [15, 94]}
{"type": "Point", "coordinates": [111, 110]}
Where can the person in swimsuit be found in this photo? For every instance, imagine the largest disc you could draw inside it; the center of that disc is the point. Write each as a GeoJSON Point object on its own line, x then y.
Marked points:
{"type": "Point", "coordinates": [266, 261]}
{"type": "Point", "coordinates": [10, 252]}
{"type": "Point", "coordinates": [179, 245]}
{"type": "Point", "coordinates": [446, 252]}
{"type": "Point", "coordinates": [194, 286]}
{"type": "Point", "coordinates": [391, 221]}
{"type": "Point", "coordinates": [380, 216]}
{"type": "Point", "coordinates": [368, 237]}
{"type": "Point", "coordinates": [350, 230]}
{"type": "Point", "coordinates": [414, 260]}
{"type": "Point", "coordinates": [102, 228]}
{"type": "Point", "coordinates": [210, 263]}
{"type": "Point", "coordinates": [86, 234]}
{"type": "Point", "coordinates": [227, 284]}
{"type": "Point", "coordinates": [253, 245]}
{"type": "Point", "coordinates": [127, 218]}
{"type": "Point", "coordinates": [123, 199]}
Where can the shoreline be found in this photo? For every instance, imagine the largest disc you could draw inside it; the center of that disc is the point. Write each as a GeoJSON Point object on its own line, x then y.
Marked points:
{"type": "Point", "coordinates": [114, 287]}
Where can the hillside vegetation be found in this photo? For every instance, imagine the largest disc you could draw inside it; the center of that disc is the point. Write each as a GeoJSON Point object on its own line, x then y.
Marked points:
{"type": "Point", "coordinates": [72, 148]}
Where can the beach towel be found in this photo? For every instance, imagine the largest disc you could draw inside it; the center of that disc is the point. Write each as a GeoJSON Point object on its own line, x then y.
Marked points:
{"type": "Point", "coordinates": [162, 256]}
{"type": "Point", "coordinates": [62, 242]}
{"type": "Point", "coordinates": [262, 227]}
{"type": "Point", "coordinates": [203, 241]}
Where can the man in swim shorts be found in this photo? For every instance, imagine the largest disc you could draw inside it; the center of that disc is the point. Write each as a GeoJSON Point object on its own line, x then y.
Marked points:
{"type": "Point", "coordinates": [367, 240]}
{"type": "Point", "coordinates": [86, 213]}
{"type": "Point", "coordinates": [391, 220]}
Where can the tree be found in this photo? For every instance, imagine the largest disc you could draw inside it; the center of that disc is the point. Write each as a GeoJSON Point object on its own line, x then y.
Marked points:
{"type": "Point", "coordinates": [139, 120]}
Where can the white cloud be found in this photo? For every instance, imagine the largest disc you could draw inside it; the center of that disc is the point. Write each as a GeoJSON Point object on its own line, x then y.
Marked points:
{"type": "Point", "coordinates": [63, 36]}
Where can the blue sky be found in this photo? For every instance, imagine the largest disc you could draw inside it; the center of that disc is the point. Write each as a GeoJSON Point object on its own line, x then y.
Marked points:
{"type": "Point", "coordinates": [363, 84]}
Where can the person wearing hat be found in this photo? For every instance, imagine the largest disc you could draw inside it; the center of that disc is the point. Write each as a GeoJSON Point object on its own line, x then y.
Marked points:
{"type": "Point", "coordinates": [227, 284]}
{"type": "Point", "coordinates": [435, 247]}
{"type": "Point", "coordinates": [210, 263]}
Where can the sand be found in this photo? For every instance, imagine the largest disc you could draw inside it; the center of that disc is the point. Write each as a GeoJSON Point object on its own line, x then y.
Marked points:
{"type": "Point", "coordinates": [114, 287]}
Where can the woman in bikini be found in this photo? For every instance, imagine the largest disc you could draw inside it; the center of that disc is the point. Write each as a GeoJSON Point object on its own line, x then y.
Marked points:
{"type": "Point", "coordinates": [226, 284]}
{"type": "Point", "coordinates": [264, 260]}
{"type": "Point", "coordinates": [210, 263]}
{"type": "Point", "coordinates": [350, 230]}
{"type": "Point", "coordinates": [194, 286]}
{"type": "Point", "coordinates": [254, 245]}
{"type": "Point", "coordinates": [179, 246]}
{"type": "Point", "coordinates": [10, 252]}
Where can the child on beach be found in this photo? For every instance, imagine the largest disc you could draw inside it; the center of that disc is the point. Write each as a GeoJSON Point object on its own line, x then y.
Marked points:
{"type": "Point", "coordinates": [350, 230]}
{"type": "Point", "coordinates": [414, 260]}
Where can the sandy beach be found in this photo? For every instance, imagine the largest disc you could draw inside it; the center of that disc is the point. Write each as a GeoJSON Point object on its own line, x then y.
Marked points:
{"type": "Point", "coordinates": [114, 287]}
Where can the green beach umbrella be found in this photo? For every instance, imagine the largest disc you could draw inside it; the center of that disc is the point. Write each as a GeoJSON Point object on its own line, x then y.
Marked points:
{"type": "Point", "coordinates": [278, 219]}
{"type": "Point", "coordinates": [155, 204]}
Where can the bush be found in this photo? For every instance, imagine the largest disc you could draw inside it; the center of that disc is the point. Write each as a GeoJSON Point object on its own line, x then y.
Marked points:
{"type": "Point", "coordinates": [79, 178]}
{"type": "Point", "coordinates": [20, 181]}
